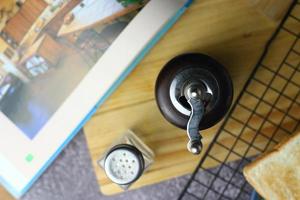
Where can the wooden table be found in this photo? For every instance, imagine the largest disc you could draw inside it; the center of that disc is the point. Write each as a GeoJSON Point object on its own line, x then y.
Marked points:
{"type": "Point", "coordinates": [234, 32]}
{"type": "Point", "coordinates": [93, 13]}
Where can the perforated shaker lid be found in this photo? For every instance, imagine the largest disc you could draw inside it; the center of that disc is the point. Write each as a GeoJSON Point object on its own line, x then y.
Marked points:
{"type": "Point", "coordinates": [124, 164]}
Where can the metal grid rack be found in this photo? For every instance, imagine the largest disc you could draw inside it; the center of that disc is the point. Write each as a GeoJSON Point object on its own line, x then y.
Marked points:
{"type": "Point", "coordinates": [266, 112]}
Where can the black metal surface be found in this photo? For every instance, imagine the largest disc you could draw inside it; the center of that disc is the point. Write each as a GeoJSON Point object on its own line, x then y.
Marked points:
{"type": "Point", "coordinates": [232, 185]}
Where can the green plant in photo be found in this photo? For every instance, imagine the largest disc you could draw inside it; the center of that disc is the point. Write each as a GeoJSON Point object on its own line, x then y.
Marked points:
{"type": "Point", "coordinates": [126, 3]}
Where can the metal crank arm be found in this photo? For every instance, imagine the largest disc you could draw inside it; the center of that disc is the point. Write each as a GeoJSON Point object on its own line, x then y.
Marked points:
{"type": "Point", "coordinates": [197, 111]}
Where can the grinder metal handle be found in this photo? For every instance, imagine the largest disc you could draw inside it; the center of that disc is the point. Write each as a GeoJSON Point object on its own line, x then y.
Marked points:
{"type": "Point", "coordinates": [195, 145]}
{"type": "Point", "coordinates": [193, 96]}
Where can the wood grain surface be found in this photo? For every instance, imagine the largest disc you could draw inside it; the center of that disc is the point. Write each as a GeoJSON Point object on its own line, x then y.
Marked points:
{"type": "Point", "coordinates": [234, 32]}
{"type": "Point", "coordinates": [4, 195]}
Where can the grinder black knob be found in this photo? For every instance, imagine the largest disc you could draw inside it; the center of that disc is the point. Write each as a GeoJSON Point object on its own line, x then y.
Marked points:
{"type": "Point", "coordinates": [194, 92]}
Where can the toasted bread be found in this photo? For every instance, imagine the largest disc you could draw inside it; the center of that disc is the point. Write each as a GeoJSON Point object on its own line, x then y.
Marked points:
{"type": "Point", "coordinates": [276, 174]}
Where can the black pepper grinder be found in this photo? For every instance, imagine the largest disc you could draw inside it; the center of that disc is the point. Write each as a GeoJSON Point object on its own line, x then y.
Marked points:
{"type": "Point", "coordinates": [194, 92]}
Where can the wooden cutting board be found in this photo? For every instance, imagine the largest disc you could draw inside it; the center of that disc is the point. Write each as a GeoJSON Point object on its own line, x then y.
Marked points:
{"type": "Point", "coordinates": [234, 32]}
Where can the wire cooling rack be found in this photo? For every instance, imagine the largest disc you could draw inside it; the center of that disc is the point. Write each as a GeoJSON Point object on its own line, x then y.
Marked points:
{"type": "Point", "coordinates": [267, 111]}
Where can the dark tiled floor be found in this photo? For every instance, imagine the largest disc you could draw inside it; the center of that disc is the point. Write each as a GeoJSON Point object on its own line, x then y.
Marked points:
{"type": "Point", "coordinates": [35, 102]}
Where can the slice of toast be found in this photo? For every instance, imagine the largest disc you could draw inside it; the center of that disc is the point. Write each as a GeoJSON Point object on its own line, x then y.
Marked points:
{"type": "Point", "coordinates": [276, 174]}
